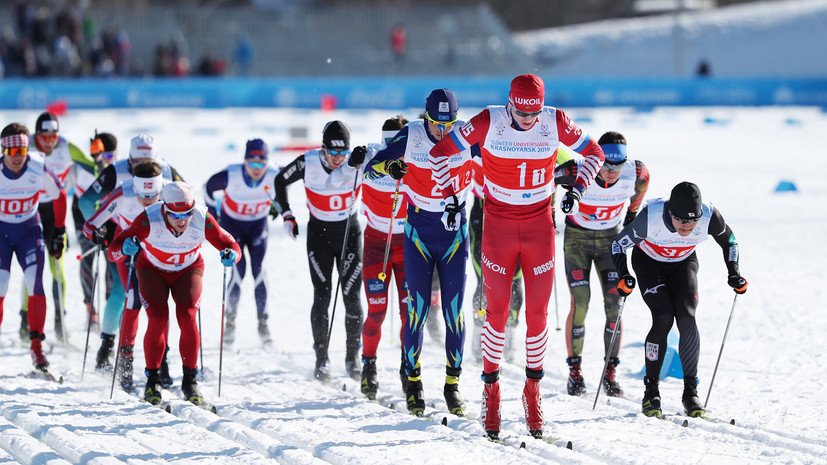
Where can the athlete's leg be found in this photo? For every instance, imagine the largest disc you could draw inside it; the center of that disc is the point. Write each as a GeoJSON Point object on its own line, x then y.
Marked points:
{"type": "Point", "coordinates": [186, 292]}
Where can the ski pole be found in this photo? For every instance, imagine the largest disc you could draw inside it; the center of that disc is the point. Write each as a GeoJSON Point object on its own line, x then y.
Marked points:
{"type": "Point", "coordinates": [83, 255]}
{"type": "Point", "coordinates": [341, 261]}
{"type": "Point", "coordinates": [382, 275]}
{"type": "Point", "coordinates": [129, 270]}
{"type": "Point", "coordinates": [726, 331]}
{"type": "Point", "coordinates": [200, 345]}
{"type": "Point", "coordinates": [611, 348]}
{"type": "Point", "coordinates": [556, 305]}
{"type": "Point", "coordinates": [221, 344]}
{"type": "Point", "coordinates": [96, 266]}
{"type": "Point", "coordinates": [59, 311]}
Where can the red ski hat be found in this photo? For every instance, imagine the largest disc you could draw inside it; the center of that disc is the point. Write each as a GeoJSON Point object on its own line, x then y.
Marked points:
{"type": "Point", "coordinates": [527, 93]}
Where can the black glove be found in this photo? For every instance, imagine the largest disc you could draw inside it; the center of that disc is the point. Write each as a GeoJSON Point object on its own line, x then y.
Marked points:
{"type": "Point", "coordinates": [738, 284]}
{"type": "Point", "coordinates": [449, 218]}
{"type": "Point", "coordinates": [630, 216]}
{"type": "Point", "coordinates": [626, 285]}
{"type": "Point", "coordinates": [357, 156]}
{"type": "Point", "coordinates": [274, 212]}
{"type": "Point", "coordinates": [291, 227]}
{"type": "Point", "coordinates": [570, 202]}
{"type": "Point", "coordinates": [58, 243]}
{"type": "Point", "coordinates": [100, 236]}
{"type": "Point", "coordinates": [396, 168]}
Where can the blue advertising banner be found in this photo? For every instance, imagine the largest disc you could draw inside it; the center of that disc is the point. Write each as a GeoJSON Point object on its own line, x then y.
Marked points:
{"type": "Point", "coordinates": [396, 93]}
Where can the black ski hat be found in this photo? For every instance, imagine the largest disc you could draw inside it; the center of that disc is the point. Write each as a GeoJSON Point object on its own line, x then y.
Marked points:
{"type": "Point", "coordinates": [110, 142]}
{"type": "Point", "coordinates": [46, 122]}
{"type": "Point", "coordinates": [336, 136]}
{"type": "Point", "coordinates": [685, 201]}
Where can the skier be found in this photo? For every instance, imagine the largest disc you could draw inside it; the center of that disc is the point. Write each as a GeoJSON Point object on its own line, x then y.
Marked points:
{"type": "Point", "coordinates": [330, 214]}
{"type": "Point", "coordinates": [60, 156]}
{"type": "Point", "coordinates": [22, 178]}
{"type": "Point", "coordinates": [142, 148]}
{"type": "Point", "coordinates": [172, 264]}
{"type": "Point", "coordinates": [243, 213]}
{"type": "Point", "coordinates": [519, 150]}
{"type": "Point", "coordinates": [587, 240]}
{"type": "Point", "coordinates": [123, 205]}
{"type": "Point", "coordinates": [103, 150]}
{"type": "Point", "coordinates": [433, 241]}
{"type": "Point", "coordinates": [475, 236]}
{"type": "Point", "coordinates": [384, 207]}
{"type": "Point", "coordinates": [666, 233]}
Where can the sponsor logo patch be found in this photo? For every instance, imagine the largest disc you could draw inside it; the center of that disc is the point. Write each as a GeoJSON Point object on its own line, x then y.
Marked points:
{"type": "Point", "coordinates": [375, 286]}
{"type": "Point", "coordinates": [652, 351]}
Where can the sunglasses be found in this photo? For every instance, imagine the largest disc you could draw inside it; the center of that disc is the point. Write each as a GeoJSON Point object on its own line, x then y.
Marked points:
{"type": "Point", "coordinates": [147, 196]}
{"type": "Point", "coordinates": [107, 155]}
{"type": "Point", "coordinates": [180, 216]}
{"type": "Point", "coordinates": [16, 151]}
{"type": "Point", "coordinates": [338, 153]}
{"type": "Point", "coordinates": [442, 125]}
{"type": "Point", "coordinates": [256, 165]}
{"type": "Point", "coordinates": [523, 114]}
{"type": "Point", "coordinates": [612, 167]}
{"type": "Point", "coordinates": [686, 220]}
{"type": "Point", "coordinates": [47, 137]}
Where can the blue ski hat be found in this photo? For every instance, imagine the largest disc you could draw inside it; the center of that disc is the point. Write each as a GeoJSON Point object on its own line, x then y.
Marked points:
{"type": "Point", "coordinates": [441, 106]}
{"type": "Point", "coordinates": [256, 148]}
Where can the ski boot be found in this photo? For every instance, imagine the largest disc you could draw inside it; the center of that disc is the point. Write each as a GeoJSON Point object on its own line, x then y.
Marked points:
{"type": "Point", "coordinates": [322, 373]}
{"type": "Point", "coordinates": [264, 331]}
{"type": "Point", "coordinates": [24, 326]}
{"type": "Point", "coordinates": [415, 395]}
{"type": "Point", "coordinates": [691, 403]}
{"type": "Point", "coordinates": [451, 392]}
{"type": "Point", "coordinates": [125, 359]}
{"type": "Point", "coordinates": [370, 384]}
{"type": "Point", "coordinates": [229, 329]}
{"type": "Point", "coordinates": [532, 403]}
{"type": "Point", "coordinates": [651, 398]}
{"type": "Point", "coordinates": [166, 379]}
{"type": "Point", "coordinates": [610, 384]}
{"type": "Point", "coordinates": [152, 391]}
{"type": "Point", "coordinates": [576, 385]}
{"type": "Point", "coordinates": [491, 403]}
{"type": "Point", "coordinates": [190, 387]}
{"type": "Point", "coordinates": [38, 357]}
{"type": "Point", "coordinates": [102, 362]}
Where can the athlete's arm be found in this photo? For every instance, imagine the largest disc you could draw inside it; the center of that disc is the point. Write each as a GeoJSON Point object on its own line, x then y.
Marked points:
{"type": "Point", "coordinates": [395, 150]}
{"type": "Point", "coordinates": [103, 185]}
{"type": "Point", "coordinates": [459, 139]}
{"type": "Point", "coordinates": [109, 207]}
{"type": "Point", "coordinates": [291, 173]}
{"type": "Point", "coordinates": [641, 186]}
{"type": "Point", "coordinates": [723, 235]}
{"type": "Point", "coordinates": [53, 186]}
{"type": "Point", "coordinates": [582, 143]}
{"type": "Point", "coordinates": [217, 182]}
{"type": "Point", "coordinates": [139, 229]}
{"type": "Point", "coordinates": [219, 238]}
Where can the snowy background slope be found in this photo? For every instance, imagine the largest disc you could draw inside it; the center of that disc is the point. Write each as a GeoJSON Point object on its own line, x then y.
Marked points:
{"type": "Point", "coordinates": [771, 378]}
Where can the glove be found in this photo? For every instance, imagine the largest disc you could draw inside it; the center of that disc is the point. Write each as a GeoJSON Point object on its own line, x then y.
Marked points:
{"type": "Point", "coordinates": [99, 236]}
{"type": "Point", "coordinates": [449, 218]}
{"type": "Point", "coordinates": [626, 285]}
{"type": "Point", "coordinates": [58, 243]}
{"type": "Point", "coordinates": [274, 212]}
{"type": "Point", "coordinates": [570, 203]}
{"type": "Point", "coordinates": [357, 156]}
{"type": "Point", "coordinates": [290, 225]}
{"type": "Point", "coordinates": [738, 284]}
{"type": "Point", "coordinates": [131, 246]}
{"type": "Point", "coordinates": [228, 257]}
{"type": "Point", "coordinates": [396, 168]}
{"type": "Point", "coordinates": [630, 216]}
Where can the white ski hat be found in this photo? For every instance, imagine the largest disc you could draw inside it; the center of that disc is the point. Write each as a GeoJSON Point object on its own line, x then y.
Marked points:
{"type": "Point", "coordinates": [142, 146]}
{"type": "Point", "coordinates": [178, 197]}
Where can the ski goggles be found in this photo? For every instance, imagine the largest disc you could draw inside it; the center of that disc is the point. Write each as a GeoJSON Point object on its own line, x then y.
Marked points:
{"type": "Point", "coordinates": [47, 136]}
{"type": "Point", "coordinates": [179, 215]}
{"type": "Point", "coordinates": [686, 220]}
{"type": "Point", "coordinates": [338, 153]}
{"type": "Point", "coordinates": [256, 165]}
{"type": "Point", "coordinates": [16, 151]}
{"type": "Point", "coordinates": [182, 213]}
{"type": "Point", "coordinates": [527, 114]}
{"type": "Point", "coordinates": [612, 167]}
{"type": "Point", "coordinates": [442, 125]}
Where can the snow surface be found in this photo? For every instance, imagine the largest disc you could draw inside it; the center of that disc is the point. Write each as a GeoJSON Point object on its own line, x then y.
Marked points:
{"type": "Point", "coordinates": [771, 378]}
